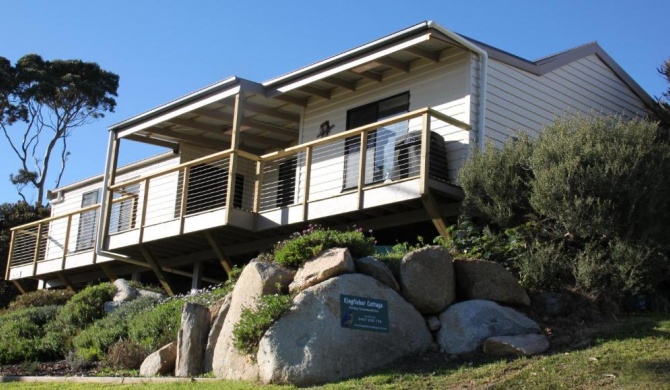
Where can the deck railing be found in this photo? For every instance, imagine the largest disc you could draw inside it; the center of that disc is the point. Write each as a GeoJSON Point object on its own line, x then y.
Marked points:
{"type": "Point", "coordinates": [53, 238]}
{"type": "Point", "coordinates": [384, 152]}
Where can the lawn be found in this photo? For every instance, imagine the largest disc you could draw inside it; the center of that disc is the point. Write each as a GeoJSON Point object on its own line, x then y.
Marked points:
{"type": "Point", "coordinates": [632, 353]}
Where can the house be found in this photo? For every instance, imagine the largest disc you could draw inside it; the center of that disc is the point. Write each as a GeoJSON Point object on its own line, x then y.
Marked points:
{"type": "Point", "coordinates": [373, 137]}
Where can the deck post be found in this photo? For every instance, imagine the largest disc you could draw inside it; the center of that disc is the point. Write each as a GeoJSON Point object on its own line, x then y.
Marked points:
{"type": "Point", "coordinates": [361, 168]}
{"type": "Point", "coordinates": [238, 115]}
{"type": "Point", "coordinates": [220, 254]}
{"type": "Point", "coordinates": [197, 276]}
{"type": "Point", "coordinates": [143, 214]}
{"type": "Point", "coordinates": [258, 189]}
{"type": "Point", "coordinates": [36, 254]}
{"type": "Point", "coordinates": [308, 175]}
{"type": "Point", "coordinates": [64, 279]}
{"type": "Point", "coordinates": [183, 202]}
{"type": "Point", "coordinates": [106, 205]}
{"type": "Point", "coordinates": [66, 245]}
{"type": "Point", "coordinates": [109, 273]}
{"type": "Point", "coordinates": [425, 154]}
{"type": "Point", "coordinates": [160, 274]}
{"type": "Point", "coordinates": [433, 209]}
{"type": "Point", "coordinates": [19, 287]}
{"type": "Point", "coordinates": [11, 254]}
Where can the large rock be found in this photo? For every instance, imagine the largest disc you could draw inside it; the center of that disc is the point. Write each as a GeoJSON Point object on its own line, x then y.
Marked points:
{"type": "Point", "coordinates": [466, 325]}
{"type": "Point", "coordinates": [191, 338]}
{"type": "Point", "coordinates": [215, 331]}
{"type": "Point", "coordinates": [480, 279]}
{"type": "Point", "coordinates": [314, 342]}
{"type": "Point", "coordinates": [427, 279]}
{"type": "Point", "coordinates": [378, 270]}
{"type": "Point", "coordinates": [256, 279]}
{"type": "Point", "coordinates": [124, 292]}
{"type": "Point", "coordinates": [161, 362]}
{"type": "Point", "coordinates": [522, 345]}
{"type": "Point", "coordinates": [328, 264]}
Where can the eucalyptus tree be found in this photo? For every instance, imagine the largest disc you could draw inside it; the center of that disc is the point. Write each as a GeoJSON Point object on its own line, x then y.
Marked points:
{"type": "Point", "coordinates": [41, 103]}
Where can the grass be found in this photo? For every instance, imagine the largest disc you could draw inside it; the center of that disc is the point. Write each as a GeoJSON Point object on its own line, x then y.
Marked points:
{"type": "Point", "coordinates": [634, 354]}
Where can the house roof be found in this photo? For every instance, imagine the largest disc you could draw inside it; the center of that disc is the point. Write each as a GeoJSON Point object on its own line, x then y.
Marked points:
{"type": "Point", "coordinates": [274, 106]}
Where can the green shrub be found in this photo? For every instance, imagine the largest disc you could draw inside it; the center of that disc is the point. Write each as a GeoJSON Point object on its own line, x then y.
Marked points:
{"type": "Point", "coordinates": [585, 205]}
{"type": "Point", "coordinates": [603, 176]}
{"type": "Point", "coordinates": [41, 298]}
{"type": "Point", "coordinates": [92, 343]}
{"type": "Point", "coordinates": [253, 323]}
{"type": "Point", "coordinates": [393, 258]}
{"type": "Point", "coordinates": [83, 309]}
{"type": "Point", "coordinates": [156, 327]}
{"type": "Point", "coordinates": [497, 182]}
{"type": "Point", "coordinates": [300, 247]}
{"type": "Point", "coordinates": [21, 330]}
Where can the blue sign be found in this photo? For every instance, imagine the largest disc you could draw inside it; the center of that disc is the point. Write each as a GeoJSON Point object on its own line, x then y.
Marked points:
{"type": "Point", "coordinates": [364, 313]}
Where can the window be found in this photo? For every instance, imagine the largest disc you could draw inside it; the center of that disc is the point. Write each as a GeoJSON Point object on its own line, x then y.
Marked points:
{"type": "Point", "coordinates": [87, 221]}
{"type": "Point", "coordinates": [380, 143]}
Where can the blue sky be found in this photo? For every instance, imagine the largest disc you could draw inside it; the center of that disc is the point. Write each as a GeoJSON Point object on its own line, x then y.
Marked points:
{"type": "Point", "coordinates": [165, 49]}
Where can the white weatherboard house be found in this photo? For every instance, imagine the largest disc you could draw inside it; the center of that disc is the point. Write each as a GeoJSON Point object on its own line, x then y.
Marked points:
{"type": "Point", "coordinates": [373, 136]}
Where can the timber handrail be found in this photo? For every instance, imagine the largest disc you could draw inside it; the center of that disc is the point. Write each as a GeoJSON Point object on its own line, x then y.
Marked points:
{"type": "Point", "coordinates": [57, 217]}
{"type": "Point", "coordinates": [372, 126]}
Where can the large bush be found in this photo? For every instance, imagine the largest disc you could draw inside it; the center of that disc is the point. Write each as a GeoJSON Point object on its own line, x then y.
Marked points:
{"type": "Point", "coordinates": [83, 309]}
{"type": "Point", "coordinates": [21, 330]}
{"type": "Point", "coordinates": [603, 176]}
{"type": "Point", "coordinates": [497, 182]}
{"type": "Point", "coordinates": [587, 202]}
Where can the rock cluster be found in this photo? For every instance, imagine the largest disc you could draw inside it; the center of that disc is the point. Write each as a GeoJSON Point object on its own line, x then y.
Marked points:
{"type": "Point", "coordinates": [349, 316]}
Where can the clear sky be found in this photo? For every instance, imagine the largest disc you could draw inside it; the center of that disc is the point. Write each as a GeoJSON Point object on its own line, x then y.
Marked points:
{"type": "Point", "coordinates": [165, 49]}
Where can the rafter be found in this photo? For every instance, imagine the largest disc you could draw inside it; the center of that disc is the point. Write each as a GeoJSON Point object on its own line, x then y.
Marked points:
{"type": "Point", "coordinates": [302, 102]}
{"type": "Point", "coordinates": [152, 141]}
{"type": "Point", "coordinates": [338, 82]}
{"type": "Point", "coordinates": [257, 108]}
{"type": "Point", "coordinates": [369, 75]}
{"type": "Point", "coordinates": [197, 126]}
{"type": "Point", "coordinates": [247, 123]}
{"type": "Point", "coordinates": [427, 54]}
{"type": "Point", "coordinates": [402, 66]}
{"type": "Point", "coordinates": [315, 91]}
{"type": "Point", "coordinates": [192, 139]}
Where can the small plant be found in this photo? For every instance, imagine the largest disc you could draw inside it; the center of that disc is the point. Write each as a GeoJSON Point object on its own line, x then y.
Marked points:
{"type": "Point", "coordinates": [41, 298]}
{"type": "Point", "coordinates": [93, 342]}
{"type": "Point", "coordinates": [126, 354]}
{"type": "Point", "coordinates": [302, 246]}
{"type": "Point", "coordinates": [253, 323]}
{"type": "Point", "coordinates": [156, 327]}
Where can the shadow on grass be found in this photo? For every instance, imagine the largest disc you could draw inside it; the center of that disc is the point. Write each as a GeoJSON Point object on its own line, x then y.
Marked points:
{"type": "Point", "coordinates": [645, 326]}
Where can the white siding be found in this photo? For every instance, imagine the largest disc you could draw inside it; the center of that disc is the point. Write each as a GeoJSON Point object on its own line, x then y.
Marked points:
{"type": "Point", "coordinates": [72, 201]}
{"type": "Point", "coordinates": [443, 86]}
{"type": "Point", "coordinates": [521, 101]}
